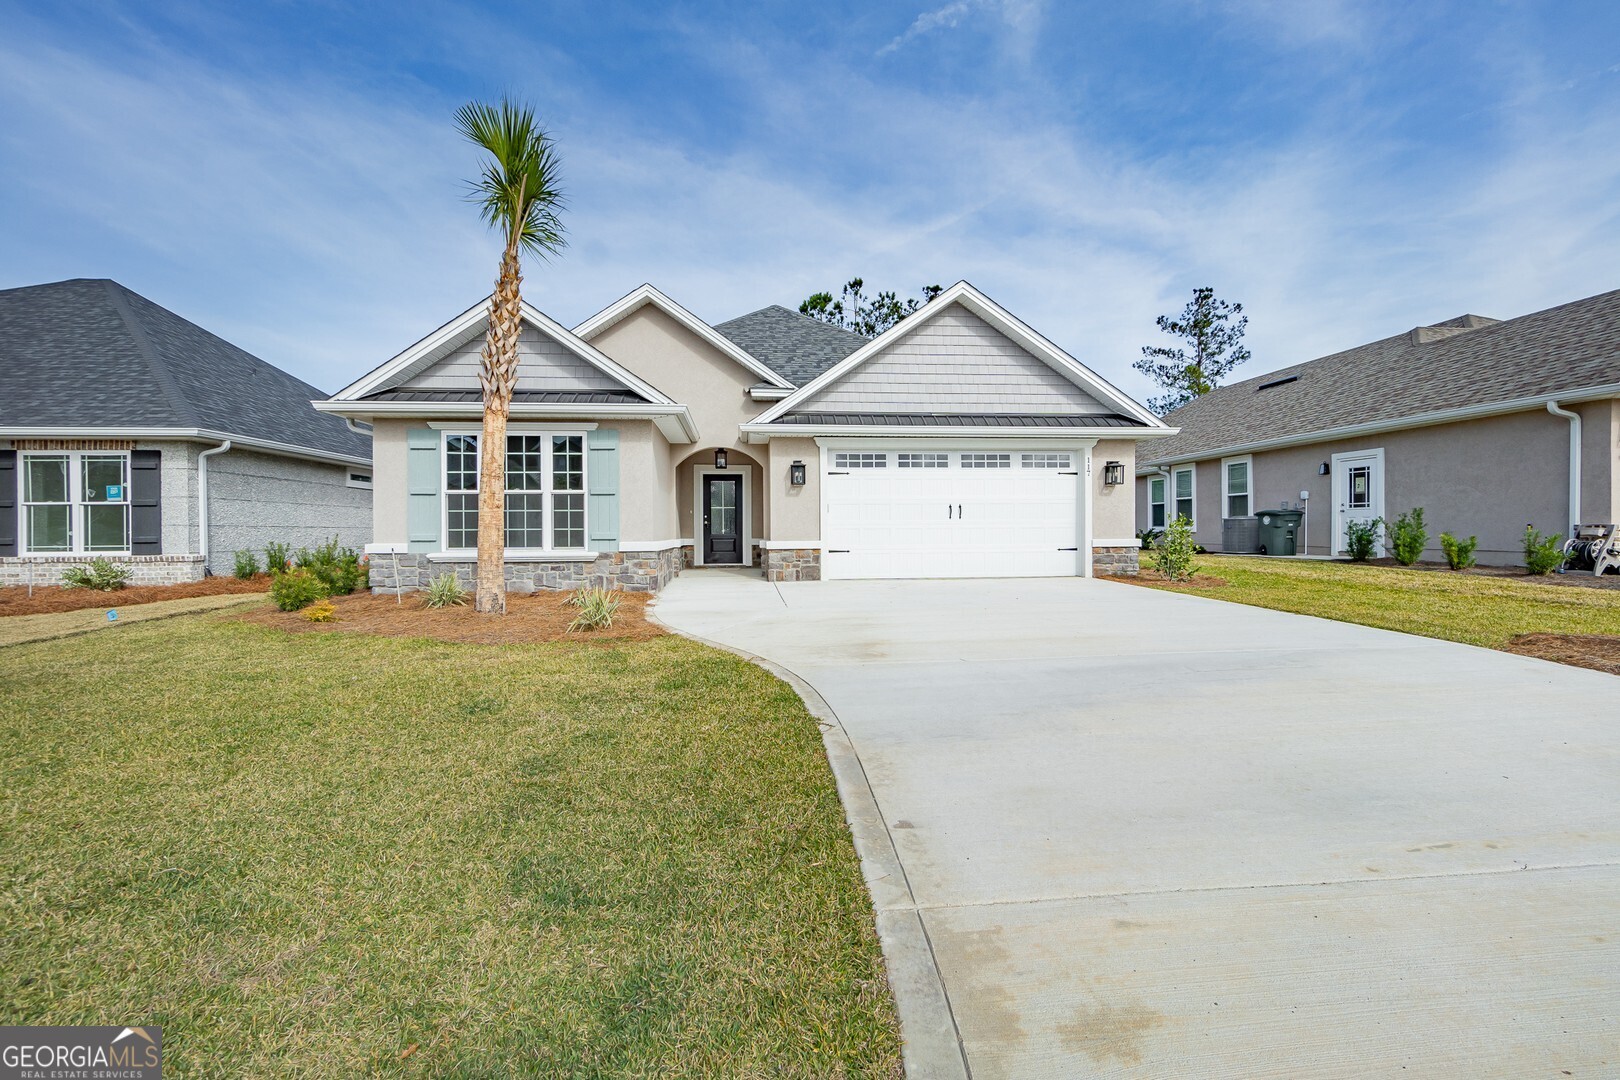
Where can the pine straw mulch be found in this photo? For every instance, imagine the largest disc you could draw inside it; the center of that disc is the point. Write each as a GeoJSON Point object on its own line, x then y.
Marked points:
{"type": "Point", "coordinates": [1158, 580]}
{"type": "Point", "coordinates": [48, 599]}
{"type": "Point", "coordinates": [1600, 652]}
{"type": "Point", "coordinates": [531, 618]}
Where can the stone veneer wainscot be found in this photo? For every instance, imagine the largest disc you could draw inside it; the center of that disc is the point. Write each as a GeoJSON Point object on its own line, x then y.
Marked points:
{"type": "Point", "coordinates": [629, 571]}
{"type": "Point", "coordinates": [1115, 560]}
{"type": "Point", "coordinates": [793, 564]}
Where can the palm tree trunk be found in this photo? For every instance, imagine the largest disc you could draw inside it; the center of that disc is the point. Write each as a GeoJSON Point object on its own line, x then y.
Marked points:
{"type": "Point", "coordinates": [498, 376]}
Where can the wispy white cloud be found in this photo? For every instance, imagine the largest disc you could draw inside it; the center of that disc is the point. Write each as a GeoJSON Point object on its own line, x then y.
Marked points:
{"type": "Point", "coordinates": [1020, 18]}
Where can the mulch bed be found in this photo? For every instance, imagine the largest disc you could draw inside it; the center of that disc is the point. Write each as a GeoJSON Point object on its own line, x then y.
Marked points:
{"type": "Point", "coordinates": [536, 617]}
{"type": "Point", "coordinates": [1153, 577]}
{"type": "Point", "coordinates": [1579, 579]}
{"type": "Point", "coordinates": [47, 599]}
{"type": "Point", "coordinates": [1600, 652]}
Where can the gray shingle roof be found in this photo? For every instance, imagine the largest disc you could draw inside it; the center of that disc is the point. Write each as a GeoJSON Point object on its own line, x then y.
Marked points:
{"type": "Point", "coordinates": [89, 353]}
{"type": "Point", "coordinates": [1462, 362]}
{"type": "Point", "coordinates": [795, 346]}
{"type": "Point", "coordinates": [984, 420]}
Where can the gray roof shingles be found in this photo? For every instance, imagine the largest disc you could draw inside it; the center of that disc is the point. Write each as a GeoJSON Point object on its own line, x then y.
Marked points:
{"type": "Point", "coordinates": [89, 353]}
{"type": "Point", "coordinates": [1462, 362]}
{"type": "Point", "coordinates": [795, 346]}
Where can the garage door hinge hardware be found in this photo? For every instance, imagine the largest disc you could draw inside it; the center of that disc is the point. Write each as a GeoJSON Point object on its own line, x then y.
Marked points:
{"type": "Point", "coordinates": [838, 474]}
{"type": "Point", "coordinates": [838, 551]}
{"type": "Point", "coordinates": [1069, 549]}
{"type": "Point", "coordinates": [1075, 473]}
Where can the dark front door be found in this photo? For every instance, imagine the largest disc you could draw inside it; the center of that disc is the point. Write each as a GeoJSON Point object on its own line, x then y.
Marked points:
{"type": "Point", "coordinates": [722, 519]}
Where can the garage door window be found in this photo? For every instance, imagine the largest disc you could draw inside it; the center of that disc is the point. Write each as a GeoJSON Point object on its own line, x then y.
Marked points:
{"type": "Point", "coordinates": [986, 461]}
{"type": "Point", "coordinates": [1046, 461]}
{"type": "Point", "coordinates": [925, 461]}
{"type": "Point", "coordinates": [860, 461]}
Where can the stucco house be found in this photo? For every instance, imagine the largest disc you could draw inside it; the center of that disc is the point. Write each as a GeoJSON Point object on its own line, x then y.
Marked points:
{"type": "Point", "coordinates": [1488, 425]}
{"type": "Point", "coordinates": [643, 441]}
{"type": "Point", "coordinates": [130, 433]}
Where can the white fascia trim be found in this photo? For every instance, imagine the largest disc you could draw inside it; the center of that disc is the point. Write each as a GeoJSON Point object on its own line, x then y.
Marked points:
{"type": "Point", "coordinates": [1379, 427]}
{"type": "Point", "coordinates": [1133, 542]}
{"type": "Point", "coordinates": [517, 555]}
{"type": "Point", "coordinates": [195, 434]}
{"type": "Point", "coordinates": [675, 421]}
{"type": "Point", "coordinates": [786, 545]}
{"type": "Point", "coordinates": [992, 313]}
{"type": "Point", "coordinates": [648, 294]}
{"type": "Point", "coordinates": [763, 432]}
{"type": "Point", "coordinates": [839, 442]}
{"type": "Point", "coordinates": [769, 393]}
{"type": "Point", "coordinates": [465, 327]}
{"type": "Point", "coordinates": [521, 426]}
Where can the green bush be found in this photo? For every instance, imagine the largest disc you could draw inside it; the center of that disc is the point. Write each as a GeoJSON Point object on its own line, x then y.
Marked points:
{"type": "Point", "coordinates": [277, 558]}
{"type": "Point", "coordinates": [293, 590]}
{"type": "Point", "coordinates": [1148, 537]}
{"type": "Point", "coordinates": [1542, 554]}
{"type": "Point", "coordinates": [338, 568]}
{"type": "Point", "coordinates": [1459, 553]}
{"type": "Point", "coordinates": [1408, 537]}
{"type": "Point", "coordinates": [1361, 538]}
{"type": "Point", "coordinates": [247, 564]}
{"type": "Point", "coordinates": [1173, 551]}
{"type": "Point", "coordinates": [100, 574]}
{"type": "Point", "coordinates": [596, 609]}
{"type": "Point", "coordinates": [444, 591]}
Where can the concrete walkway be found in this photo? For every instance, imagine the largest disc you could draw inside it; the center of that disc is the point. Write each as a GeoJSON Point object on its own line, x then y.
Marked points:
{"type": "Point", "coordinates": [1149, 835]}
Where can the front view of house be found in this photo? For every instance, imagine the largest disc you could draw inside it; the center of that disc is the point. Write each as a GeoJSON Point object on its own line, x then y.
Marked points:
{"type": "Point", "coordinates": [959, 443]}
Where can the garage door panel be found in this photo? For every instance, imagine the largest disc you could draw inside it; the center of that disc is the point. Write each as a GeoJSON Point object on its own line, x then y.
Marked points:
{"type": "Point", "coordinates": [954, 521]}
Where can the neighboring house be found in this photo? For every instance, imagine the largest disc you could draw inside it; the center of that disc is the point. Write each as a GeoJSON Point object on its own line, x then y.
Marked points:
{"type": "Point", "coordinates": [1487, 425]}
{"type": "Point", "coordinates": [643, 441]}
{"type": "Point", "coordinates": [130, 433]}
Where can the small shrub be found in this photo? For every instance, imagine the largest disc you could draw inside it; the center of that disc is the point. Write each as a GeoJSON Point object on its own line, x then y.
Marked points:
{"type": "Point", "coordinates": [277, 558]}
{"type": "Point", "coordinates": [1361, 538]}
{"type": "Point", "coordinates": [294, 590]}
{"type": "Point", "coordinates": [1408, 537]}
{"type": "Point", "coordinates": [247, 564]}
{"type": "Point", "coordinates": [321, 611]}
{"type": "Point", "coordinates": [1173, 552]}
{"type": "Point", "coordinates": [596, 609]}
{"type": "Point", "coordinates": [338, 568]}
{"type": "Point", "coordinates": [444, 591]}
{"type": "Point", "coordinates": [1148, 538]}
{"type": "Point", "coordinates": [103, 575]}
{"type": "Point", "coordinates": [1459, 553]}
{"type": "Point", "coordinates": [1542, 554]}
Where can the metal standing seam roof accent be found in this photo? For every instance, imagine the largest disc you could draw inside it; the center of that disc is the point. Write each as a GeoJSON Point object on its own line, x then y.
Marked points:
{"type": "Point", "coordinates": [519, 397]}
{"type": "Point", "coordinates": [1455, 364]}
{"type": "Point", "coordinates": [795, 346]}
{"type": "Point", "coordinates": [90, 353]}
{"type": "Point", "coordinates": [977, 420]}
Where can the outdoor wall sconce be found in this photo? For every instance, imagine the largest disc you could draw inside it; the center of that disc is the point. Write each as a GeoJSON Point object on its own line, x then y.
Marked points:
{"type": "Point", "coordinates": [719, 459]}
{"type": "Point", "coordinates": [1324, 469]}
{"type": "Point", "coordinates": [1113, 474]}
{"type": "Point", "coordinates": [796, 474]}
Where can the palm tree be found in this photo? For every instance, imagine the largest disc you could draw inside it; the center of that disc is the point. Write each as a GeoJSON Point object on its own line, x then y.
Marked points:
{"type": "Point", "coordinates": [518, 195]}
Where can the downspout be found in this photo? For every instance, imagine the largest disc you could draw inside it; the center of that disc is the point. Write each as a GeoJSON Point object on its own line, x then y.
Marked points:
{"type": "Point", "coordinates": [1574, 419]}
{"type": "Point", "coordinates": [202, 499]}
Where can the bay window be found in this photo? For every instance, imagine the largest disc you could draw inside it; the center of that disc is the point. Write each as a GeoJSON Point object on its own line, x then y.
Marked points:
{"type": "Point", "coordinates": [545, 492]}
{"type": "Point", "coordinates": [75, 502]}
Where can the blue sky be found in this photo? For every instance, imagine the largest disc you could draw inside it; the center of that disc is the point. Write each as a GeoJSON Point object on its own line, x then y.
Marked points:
{"type": "Point", "coordinates": [287, 175]}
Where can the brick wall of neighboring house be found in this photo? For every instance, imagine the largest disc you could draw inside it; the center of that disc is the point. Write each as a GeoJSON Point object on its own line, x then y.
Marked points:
{"type": "Point", "coordinates": [631, 571]}
{"type": "Point", "coordinates": [144, 569]}
{"type": "Point", "coordinates": [254, 499]}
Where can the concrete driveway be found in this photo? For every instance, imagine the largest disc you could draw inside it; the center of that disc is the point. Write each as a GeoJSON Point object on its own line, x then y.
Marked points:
{"type": "Point", "coordinates": [1150, 835]}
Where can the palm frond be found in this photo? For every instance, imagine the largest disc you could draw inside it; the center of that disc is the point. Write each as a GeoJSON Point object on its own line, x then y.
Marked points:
{"type": "Point", "coordinates": [519, 191]}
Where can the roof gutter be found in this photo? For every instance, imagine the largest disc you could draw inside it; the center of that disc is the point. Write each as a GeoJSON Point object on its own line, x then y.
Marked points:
{"type": "Point", "coordinates": [1574, 419]}
{"type": "Point", "coordinates": [194, 434]}
{"type": "Point", "coordinates": [1378, 427]}
{"type": "Point", "coordinates": [202, 499]}
{"type": "Point", "coordinates": [675, 421]}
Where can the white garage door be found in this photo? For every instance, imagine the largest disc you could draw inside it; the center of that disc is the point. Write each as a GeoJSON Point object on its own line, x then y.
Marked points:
{"type": "Point", "coordinates": [950, 513]}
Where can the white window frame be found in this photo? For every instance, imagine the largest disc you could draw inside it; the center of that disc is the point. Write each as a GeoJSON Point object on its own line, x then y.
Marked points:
{"type": "Point", "coordinates": [78, 532]}
{"type": "Point", "coordinates": [1172, 512]}
{"type": "Point", "coordinates": [1247, 461]}
{"type": "Point", "coordinates": [351, 478]}
{"type": "Point", "coordinates": [546, 490]}
{"type": "Point", "coordinates": [1163, 480]}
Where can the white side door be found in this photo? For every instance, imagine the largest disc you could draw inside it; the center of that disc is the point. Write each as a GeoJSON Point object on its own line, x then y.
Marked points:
{"type": "Point", "coordinates": [1358, 492]}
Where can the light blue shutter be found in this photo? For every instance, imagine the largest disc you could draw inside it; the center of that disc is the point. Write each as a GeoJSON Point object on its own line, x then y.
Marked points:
{"type": "Point", "coordinates": [422, 484]}
{"type": "Point", "coordinates": [603, 473]}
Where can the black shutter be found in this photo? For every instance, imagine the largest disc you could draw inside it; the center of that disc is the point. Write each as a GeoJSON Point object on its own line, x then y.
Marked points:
{"type": "Point", "coordinates": [145, 502]}
{"type": "Point", "coordinates": [8, 502]}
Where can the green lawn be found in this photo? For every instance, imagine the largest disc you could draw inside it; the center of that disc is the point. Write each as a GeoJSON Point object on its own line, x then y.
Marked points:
{"type": "Point", "coordinates": [1463, 607]}
{"type": "Point", "coordinates": [327, 855]}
